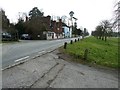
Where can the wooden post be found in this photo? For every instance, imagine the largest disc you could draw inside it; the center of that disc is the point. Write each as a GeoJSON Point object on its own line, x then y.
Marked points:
{"type": "Point", "coordinates": [85, 54]}
{"type": "Point", "coordinates": [71, 41]}
{"type": "Point", "coordinates": [75, 40]}
{"type": "Point", "coordinates": [65, 45]}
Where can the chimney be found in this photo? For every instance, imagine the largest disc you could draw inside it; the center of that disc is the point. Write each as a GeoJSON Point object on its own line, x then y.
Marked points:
{"type": "Point", "coordinates": [49, 20]}
{"type": "Point", "coordinates": [60, 20]}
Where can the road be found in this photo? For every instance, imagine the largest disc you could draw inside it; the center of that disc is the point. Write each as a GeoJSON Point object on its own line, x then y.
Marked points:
{"type": "Point", "coordinates": [52, 71]}
{"type": "Point", "coordinates": [13, 52]}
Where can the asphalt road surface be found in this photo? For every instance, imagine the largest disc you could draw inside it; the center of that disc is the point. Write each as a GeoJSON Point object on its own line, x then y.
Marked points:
{"type": "Point", "coordinates": [13, 52]}
{"type": "Point", "coordinates": [51, 71]}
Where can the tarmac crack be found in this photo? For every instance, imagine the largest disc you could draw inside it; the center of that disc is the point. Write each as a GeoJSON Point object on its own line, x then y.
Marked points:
{"type": "Point", "coordinates": [43, 75]}
{"type": "Point", "coordinates": [50, 81]}
{"type": "Point", "coordinates": [47, 78]}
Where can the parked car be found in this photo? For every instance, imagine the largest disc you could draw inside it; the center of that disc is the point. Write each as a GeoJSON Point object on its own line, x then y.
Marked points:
{"type": "Point", "coordinates": [25, 37]}
{"type": "Point", "coordinates": [6, 36]}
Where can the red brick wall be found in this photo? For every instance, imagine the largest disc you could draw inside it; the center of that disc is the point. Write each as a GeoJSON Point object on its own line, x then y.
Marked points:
{"type": "Point", "coordinates": [57, 25]}
{"type": "Point", "coordinates": [60, 26]}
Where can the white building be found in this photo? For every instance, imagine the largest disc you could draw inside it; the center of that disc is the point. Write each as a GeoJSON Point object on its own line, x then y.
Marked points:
{"type": "Point", "coordinates": [66, 32]}
{"type": "Point", "coordinates": [51, 35]}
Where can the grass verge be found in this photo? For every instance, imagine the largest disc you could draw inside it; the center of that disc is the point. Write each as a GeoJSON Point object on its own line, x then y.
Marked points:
{"type": "Point", "coordinates": [99, 52]}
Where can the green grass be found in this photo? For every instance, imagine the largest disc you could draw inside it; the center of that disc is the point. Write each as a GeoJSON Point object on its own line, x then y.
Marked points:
{"type": "Point", "coordinates": [101, 52]}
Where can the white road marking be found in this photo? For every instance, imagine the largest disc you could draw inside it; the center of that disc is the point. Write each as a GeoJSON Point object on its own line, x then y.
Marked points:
{"type": "Point", "coordinates": [22, 58]}
{"type": "Point", "coordinates": [41, 52]}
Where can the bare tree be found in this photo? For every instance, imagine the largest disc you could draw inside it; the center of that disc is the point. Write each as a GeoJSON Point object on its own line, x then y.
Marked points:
{"type": "Point", "coordinates": [116, 23]}
{"type": "Point", "coordinates": [71, 15]}
{"type": "Point", "coordinates": [106, 25]}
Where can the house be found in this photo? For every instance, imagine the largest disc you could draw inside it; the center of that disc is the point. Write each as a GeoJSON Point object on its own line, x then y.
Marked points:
{"type": "Point", "coordinates": [50, 35]}
{"type": "Point", "coordinates": [55, 31]}
{"type": "Point", "coordinates": [36, 26]}
{"type": "Point", "coordinates": [66, 30]}
{"type": "Point", "coordinates": [56, 27]}
{"type": "Point", "coordinates": [44, 28]}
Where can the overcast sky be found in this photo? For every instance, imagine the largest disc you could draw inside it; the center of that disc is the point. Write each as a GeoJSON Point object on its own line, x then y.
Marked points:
{"type": "Point", "coordinates": [88, 12]}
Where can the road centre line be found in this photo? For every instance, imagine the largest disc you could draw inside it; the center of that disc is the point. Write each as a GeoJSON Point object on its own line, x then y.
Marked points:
{"type": "Point", "coordinates": [21, 59]}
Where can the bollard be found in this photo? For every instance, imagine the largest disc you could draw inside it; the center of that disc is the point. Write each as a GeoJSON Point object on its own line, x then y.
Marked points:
{"type": "Point", "coordinates": [75, 40]}
{"type": "Point", "coordinates": [71, 41]}
{"type": "Point", "coordinates": [85, 54]}
{"type": "Point", "coordinates": [78, 39]}
{"type": "Point", "coordinates": [65, 45]}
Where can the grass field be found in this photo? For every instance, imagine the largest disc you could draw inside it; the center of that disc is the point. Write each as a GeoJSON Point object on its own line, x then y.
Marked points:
{"type": "Point", "coordinates": [100, 52]}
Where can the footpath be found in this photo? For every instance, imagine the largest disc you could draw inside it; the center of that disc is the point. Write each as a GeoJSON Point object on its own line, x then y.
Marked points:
{"type": "Point", "coordinates": [48, 70]}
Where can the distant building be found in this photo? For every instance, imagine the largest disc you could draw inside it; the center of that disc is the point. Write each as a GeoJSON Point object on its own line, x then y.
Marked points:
{"type": "Point", "coordinates": [45, 28]}
{"type": "Point", "coordinates": [57, 28]}
{"type": "Point", "coordinates": [36, 26]}
{"type": "Point", "coordinates": [66, 30]}
{"type": "Point", "coordinates": [50, 35]}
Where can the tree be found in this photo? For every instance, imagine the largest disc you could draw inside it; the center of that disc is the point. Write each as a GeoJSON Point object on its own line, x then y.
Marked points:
{"type": "Point", "coordinates": [8, 27]}
{"type": "Point", "coordinates": [84, 32]}
{"type": "Point", "coordinates": [5, 21]}
{"type": "Point", "coordinates": [103, 30]}
{"type": "Point", "coordinates": [13, 32]}
{"type": "Point", "coordinates": [99, 31]}
{"type": "Point", "coordinates": [74, 31]}
{"type": "Point", "coordinates": [116, 23]}
{"type": "Point", "coordinates": [79, 31]}
{"type": "Point", "coordinates": [35, 27]}
{"type": "Point", "coordinates": [105, 26]}
{"type": "Point", "coordinates": [20, 26]}
{"type": "Point", "coordinates": [35, 12]}
{"type": "Point", "coordinates": [74, 28]}
{"type": "Point", "coordinates": [71, 15]}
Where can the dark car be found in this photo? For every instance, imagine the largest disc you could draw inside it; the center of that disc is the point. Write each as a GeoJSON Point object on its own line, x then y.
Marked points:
{"type": "Point", "coordinates": [6, 36]}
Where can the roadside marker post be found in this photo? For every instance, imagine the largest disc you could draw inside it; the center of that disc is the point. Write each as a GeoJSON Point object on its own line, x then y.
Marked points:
{"type": "Point", "coordinates": [75, 40]}
{"type": "Point", "coordinates": [85, 54]}
{"type": "Point", "coordinates": [65, 45]}
{"type": "Point", "coordinates": [71, 41]}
